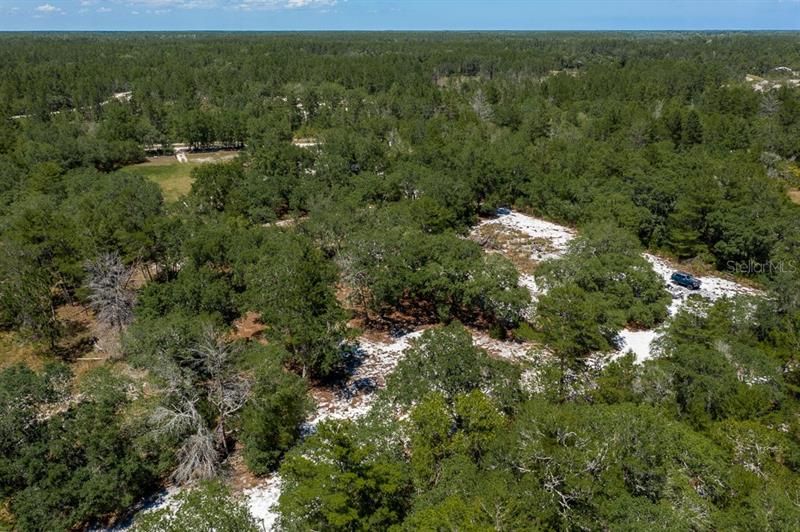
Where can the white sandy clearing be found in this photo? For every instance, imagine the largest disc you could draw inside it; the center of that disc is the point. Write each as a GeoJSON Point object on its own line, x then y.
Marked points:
{"type": "Point", "coordinates": [374, 361]}
{"type": "Point", "coordinates": [554, 237]}
{"type": "Point", "coordinates": [529, 281]}
{"type": "Point", "coordinates": [262, 501]}
{"type": "Point", "coordinates": [549, 240]}
{"type": "Point", "coordinates": [507, 350]}
{"type": "Point", "coordinates": [163, 499]}
{"type": "Point", "coordinates": [711, 288]}
{"type": "Point", "coordinates": [640, 342]}
{"type": "Point", "coordinates": [554, 241]}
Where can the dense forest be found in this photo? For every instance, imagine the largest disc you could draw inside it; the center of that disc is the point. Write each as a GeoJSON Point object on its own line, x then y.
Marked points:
{"type": "Point", "coordinates": [190, 342]}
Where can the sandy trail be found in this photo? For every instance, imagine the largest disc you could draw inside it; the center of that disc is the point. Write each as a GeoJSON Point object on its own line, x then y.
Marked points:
{"type": "Point", "coordinates": [552, 241]}
{"type": "Point", "coordinates": [373, 361]}
{"type": "Point", "coordinates": [712, 288]}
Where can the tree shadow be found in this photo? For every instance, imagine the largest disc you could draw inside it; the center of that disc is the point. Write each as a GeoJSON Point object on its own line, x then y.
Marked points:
{"type": "Point", "coordinates": [76, 341]}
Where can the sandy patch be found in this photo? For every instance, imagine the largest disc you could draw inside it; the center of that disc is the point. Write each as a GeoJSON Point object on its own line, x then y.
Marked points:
{"type": "Point", "coordinates": [511, 351]}
{"type": "Point", "coordinates": [515, 234]}
{"type": "Point", "coordinates": [373, 360]}
{"type": "Point", "coordinates": [712, 288]}
{"type": "Point", "coordinates": [519, 234]}
{"type": "Point", "coordinates": [262, 501]}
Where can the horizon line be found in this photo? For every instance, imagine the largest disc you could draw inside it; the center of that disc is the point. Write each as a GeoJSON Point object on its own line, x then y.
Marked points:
{"type": "Point", "coordinates": [471, 30]}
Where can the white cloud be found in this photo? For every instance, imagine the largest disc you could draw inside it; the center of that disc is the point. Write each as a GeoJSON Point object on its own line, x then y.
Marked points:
{"type": "Point", "coordinates": [254, 5]}
{"type": "Point", "coordinates": [48, 8]}
{"type": "Point", "coordinates": [103, 10]}
{"type": "Point", "coordinates": [242, 5]}
{"type": "Point", "coordinates": [311, 3]}
{"type": "Point", "coordinates": [170, 4]}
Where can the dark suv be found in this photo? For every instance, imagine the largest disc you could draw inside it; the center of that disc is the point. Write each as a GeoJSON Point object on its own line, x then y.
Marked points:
{"type": "Point", "coordinates": [686, 280]}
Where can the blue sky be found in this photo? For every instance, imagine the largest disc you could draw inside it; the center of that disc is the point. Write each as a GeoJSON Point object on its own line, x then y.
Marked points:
{"type": "Point", "coordinates": [398, 14]}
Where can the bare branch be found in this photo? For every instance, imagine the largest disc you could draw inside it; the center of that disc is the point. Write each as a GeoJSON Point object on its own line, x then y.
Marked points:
{"type": "Point", "coordinates": [197, 458]}
{"type": "Point", "coordinates": [214, 378]}
{"type": "Point", "coordinates": [110, 297]}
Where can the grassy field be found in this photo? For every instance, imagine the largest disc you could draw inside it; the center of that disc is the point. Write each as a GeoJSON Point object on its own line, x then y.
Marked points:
{"type": "Point", "coordinates": [173, 177]}
{"type": "Point", "coordinates": [794, 195]}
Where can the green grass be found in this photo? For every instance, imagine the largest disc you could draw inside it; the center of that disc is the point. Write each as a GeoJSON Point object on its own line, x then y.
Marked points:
{"type": "Point", "coordinates": [174, 179]}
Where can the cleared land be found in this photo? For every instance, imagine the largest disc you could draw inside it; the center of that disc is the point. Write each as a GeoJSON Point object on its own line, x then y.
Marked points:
{"type": "Point", "coordinates": [174, 177]}
{"type": "Point", "coordinates": [794, 195]}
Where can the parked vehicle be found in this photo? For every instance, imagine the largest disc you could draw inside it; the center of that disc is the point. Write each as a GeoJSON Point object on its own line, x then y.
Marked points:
{"type": "Point", "coordinates": [686, 280]}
